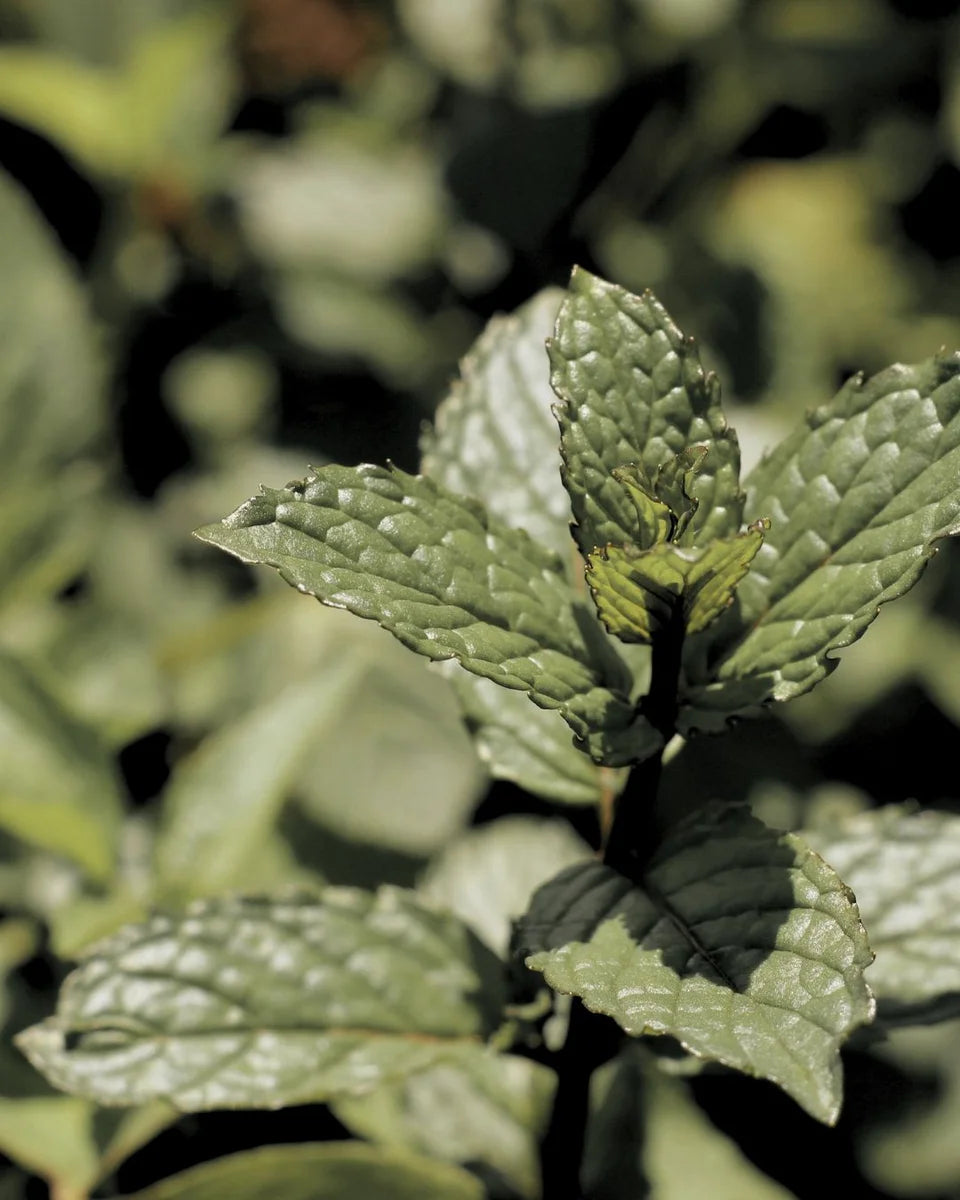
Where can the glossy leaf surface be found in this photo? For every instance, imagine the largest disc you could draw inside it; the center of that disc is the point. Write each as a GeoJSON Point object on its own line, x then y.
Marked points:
{"type": "Point", "coordinates": [904, 868]}
{"type": "Point", "coordinates": [857, 498]}
{"type": "Point", "coordinates": [245, 1003]}
{"type": "Point", "coordinates": [449, 581]}
{"type": "Point", "coordinates": [742, 944]}
{"type": "Point", "coordinates": [632, 390]}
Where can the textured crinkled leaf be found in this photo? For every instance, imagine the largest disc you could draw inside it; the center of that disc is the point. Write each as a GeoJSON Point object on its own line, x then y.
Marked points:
{"type": "Point", "coordinates": [487, 876]}
{"type": "Point", "coordinates": [495, 436]}
{"type": "Point", "coordinates": [742, 944]}
{"type": "Point", "coordinates": [637, 592]}
{"type": "Point", "coordinates": [530, 746]}
{"type": "Point", "coordinates": [904, 868]}
{"type": "Point", "coordinates": [449, 581]}
{"type": "Point", "coordinates": [319, 1171]}
{"type": "Point", "coordinates": [58, 786]}
{"type": "Point", "coordinates": [488, 1110]}
{"type": "Point", "coordinates": [632, 390]}
{"type": "Point", "coordinates": [253, 1004]}
{"type": "Point", "coordinates": [857, 497]}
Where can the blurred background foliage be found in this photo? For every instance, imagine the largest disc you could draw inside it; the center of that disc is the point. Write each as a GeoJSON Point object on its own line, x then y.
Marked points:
{"type": "Point", "coordinates": [237, 237]}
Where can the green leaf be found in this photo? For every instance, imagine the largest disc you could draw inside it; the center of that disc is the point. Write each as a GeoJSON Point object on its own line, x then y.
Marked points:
{"type": "Point", "coordinates": [487, 876]}
{"type": "Point", "coordinates": [904, 868]}
{"type": "Point", "coordinates": [637, 592]}
{"type": "Point", "coordinates": [319, 1171]}
{"type": "Point", "coordinates": [249, 1004]}
{"type": "Point", "coordinates": [450, 582]}
{"type": "Point", "coordinates": [52, 402]}
{"type": "Point", "coordinates": [488, 1110]}
{"type": "Point", "coordinates": [225, 798]}
{"type": "Point", "coordinates": [496, 438]}
{"type": "Point", "coordinates": [858, 497]}
{"type": "Point", "coordinates": [741, 943]}
{"type": "Point", "coordinates": [632, 391]}
{"type": "Point", "coordinates": [58, 787]}
{"type": "Point", "coordinates": [530, 746]}
{"type": "Point", "coordinates": [648, 1136]}
{"type": "Point", "coordinates": [68, 1142]}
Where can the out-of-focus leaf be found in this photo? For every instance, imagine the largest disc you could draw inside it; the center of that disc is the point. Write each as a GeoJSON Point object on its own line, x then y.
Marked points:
{"type": "Point", "coordinates": [170, 95]}
{"type": "Point", "coordinates": [488, 1110]}
{"type": "Point", "coordinates": [319, 1171]}
{"type": "Point", "coordinates": [632, 391]}
{"type": "Point", "coordinates": [648, 1133]}
{"type": "Point", "coordinates": [330, 205]}
{"type": "Point", "coordinates": [51, 396]}
{"type": "Point", "coordinates": [741, 943]}
{"type": "Point", "coordinates": [68, 1142]}
{"type": "Point", "coordinates": [904, 868]}
{"type": "Point", "coordinates": [393, 766]}
{"type": "Point", "coordinates": [58, 788]}
{"type": "Point", "coordinates": [858, 497]}
{"type": "Point", "coordinates": [449, 581]}
{"type": "Point", "coordinates": [248, 1004]}
{"type": "Point", "coordinates": [528, 745]}
{"type": "Point", "coordinates": [488, 875]}
{"type": "Point", "coordinates": [496, 438]}
{"type": "Point", "coordinates": [224, 799]}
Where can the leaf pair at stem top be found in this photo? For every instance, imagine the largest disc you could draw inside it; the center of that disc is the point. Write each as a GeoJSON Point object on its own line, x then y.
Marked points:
{"type": "Point", "coordinates": [856, 499]}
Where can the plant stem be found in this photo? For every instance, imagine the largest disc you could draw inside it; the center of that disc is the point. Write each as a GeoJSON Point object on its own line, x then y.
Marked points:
{"type": "Point", "coordinates": [591, 1040]}
{"type": "Point", "coordinates": [631, 839]}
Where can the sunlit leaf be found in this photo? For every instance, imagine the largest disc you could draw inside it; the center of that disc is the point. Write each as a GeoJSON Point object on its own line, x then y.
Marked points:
{"type": "Point", "coordinates": [741, 943]}
{"type": "Point", "coordinates": [632, 390]}
{"type": "Point", "coordinates": [248, 1004]}
{"type": "Point", "coordinates": [858, 497]}
{"type": "Point", "coordinates": [449, 581]}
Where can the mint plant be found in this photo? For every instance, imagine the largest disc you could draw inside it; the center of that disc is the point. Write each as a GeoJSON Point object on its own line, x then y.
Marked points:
{"type": "Point", "coordinates": [684, 600]}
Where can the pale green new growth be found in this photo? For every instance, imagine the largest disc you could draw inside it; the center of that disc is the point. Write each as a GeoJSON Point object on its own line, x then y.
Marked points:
{"type": "Point", "coordinates": [252, 1004]}
{"type": "Point", "coordinates": [741, 943]}
{"type": "Point", "coordinates": [637, 592]}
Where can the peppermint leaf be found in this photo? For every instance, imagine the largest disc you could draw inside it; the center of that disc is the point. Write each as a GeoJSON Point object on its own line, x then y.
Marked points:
{"type": "Point", "coordinates": [858, 497]}
{"type": "Point", "coordinates": [248, 1004]}
{"type": "Point", "coordinates": [449, 581]}
{"type": "Point", "coordinates": [632, 391]}
{"type": "Point", "coordinates": [741, 943]}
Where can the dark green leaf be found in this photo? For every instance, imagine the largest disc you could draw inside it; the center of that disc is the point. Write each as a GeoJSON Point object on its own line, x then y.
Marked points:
{"type": "Point", "coordinates": [741, 943]}
{"type": "Point", "coordinates": [319, 1171]}
{"type": "Point", "coordinates": [247, 1004]}
{"type": "Point", "coordinates": [904, 868]}
{"type": "Point", "coordinates": [496, 438]}
{"type": "Point", "coordinates": [449, 581]}
{"type": "Point", "coordinates": [858, 497]}
{"type": "Point", "coordinates": [631, 391]}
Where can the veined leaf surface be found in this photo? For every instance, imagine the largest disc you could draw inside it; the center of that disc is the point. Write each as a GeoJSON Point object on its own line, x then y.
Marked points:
{"type": "Point", "coordinates": [449, 581]}
{"type": "Point", "coordinates": [631, 390]}
{"type": "Point", "coordinates": [257, 1004]}
{"type": "Point", "coordinates": [741, 943]}
{"type": "Point", "coordinates": [904, 868]}
{"type": "Point", "coordinates": [857, 497]}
